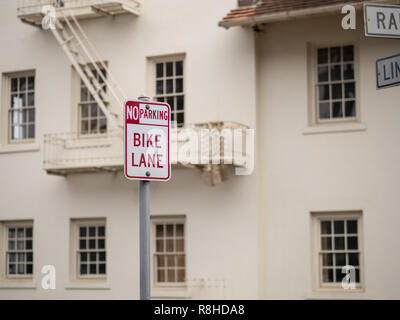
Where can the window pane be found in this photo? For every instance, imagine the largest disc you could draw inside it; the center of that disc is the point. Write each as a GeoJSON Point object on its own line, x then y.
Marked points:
{"type": "Point", "coordinates": [20, 268]}
{"type": "Point", "coordinates": [179, 103]}
{"type": "Point", "coordinates": [181, 260]}
{"type": "Point", "coordinates": [169, 69]}
{"type": "Point", "coordinates": [22, 84]}
{"type": "Point", "coordinates": [327, 275]}
{"type": "Point", "coordinates": [161, 261]}
{"type": "Point", "coordinates": [93, 126]}
{"type": "Point", "coordinates": [12, 268]}
{"type": "Point", "coordinates": [102, 268]}
{"type": "Point", "coordinates": [92, 256]}
{"type": "Point", "coordinates": [339, 227]}
{"type": "Point", "coordinates": [358, 275]}
{"type": "Point", "coordinates": [160, 245]}
{"type": "Point", "coordinates": [323, 74]}
{"type": "Point", "coordinates": [92, 244]}
{"type": "Point", "coordinates": [84, 127]}
{"type": "Point", "coordinates": [326, 243]}
{"type": "Point", "coordinates": [84, 94]}
{"type": "Point", "coordinates": [327, 259]}
{"type": "Point", "coordinates": [348, 53]}
{"type": "Point", "coordinates": [337, 91]}
{"type": "Point", "coordinates": [179, 85]}
{"type": "Point", "coordinates": [29, 244]}
{"type": "Point", "coordinates": [339, 275]}
{"type": "Point", "coordinates": [335, 54]}
{"type": "Point", "coordinates": [160, 87]}
{"type": "Point", "coordinates": [350, 90]}
{"type": "Point", "coordinates": [348, 71]}
{"type": "Point", "coordinates": [12, 257]}
{"type": "Point", "coordinates": [159, 70]}
{"type": "Point", "coordinates": [353, 259]}
{"type": "Point", "coordinates": [82, 244]}
{"type": "Point", "coordinates": [180, 118]}
{"type": "Point", "coordinates": [31, 83]}
{"type": "Point", "coordinates": [323, 92]}
{"type": "Point", "coordinates": [11, 245]}
{"type": "Point", "coordinates": [92, 268]}
{"type": "Point", "coordinates": [161, 275]}
{"type": "Point", "coordinates": [14, 84]}
{"type": "Point", "coordinates": [29, 268]}
{"type": "Point", "coordinates": [103, 125]}
{"type": "Point", "coordinates": [102, 256]}
{"type": "Point", "coordinates": [170, 245]}
{"type": "Point", "coordinates": [83, 257]}
{"type": "Point", "coordinates": [337, 110]}
{"type": "Point", "coordinates": [170, 101]}
{"type": "Point", "coordinates": [101, 231]}
{"type": "Point", "coordinates": [20, 245]}
{"type": "Point", "coordinates": [179, 230]}
{"type": "Point", "coordinates": [170, 261]}
{"type": "Point", "coordinates": [31, 115]}
{"type": "Point", "coordinates": [31, 131]}
{"type": "Point", "coordinates": [336, 73]}
{"type": "Point", "coordinates": [181, 275]}
{"type": "Point", "coordinates": [170, 230]}
{"type": "Point", "coordinates": [179, 68]}
{"type": "Point", "coordinates": [11, 233]}
{"type": "Point", "coordinates": [171, 275]}
{"type": "Point", "coordinates": [350, 109]}
{"type": "Point", "coordinates": [352, 243]}
{"type": "Point", "coordinates": [29, 257]}
{"type": "Point", "coordinates": [83, 269]}
{"type": "Point", "coordinates": [93, 110]}
{"type": "Point", "coordinates": [20, 232]}
{"type": "Point", "coordinates": [170, 87]}
{"type": "Point", "coordinates": [159, 230]}
{"type": "Point", "coordinates": [179, 245]}
{"type": "Point", "coordinates": [31, 99]}
{"type": "Point", "coordinates": [339, 243]}
{"type": "Point", "coordinates": [322, 55]}
{"type": "Point", "coordinates": [340, 259]}
{"type": "Point", "coordinates": [101, 244]}
{"type": "Point", "coordinates": [351, 226]}
{"type": "Point", "coordinates": [324, 112]}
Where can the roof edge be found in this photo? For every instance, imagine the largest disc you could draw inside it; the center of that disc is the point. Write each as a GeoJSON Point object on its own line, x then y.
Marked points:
{"type": "Point", "coordinates": [287, 15]}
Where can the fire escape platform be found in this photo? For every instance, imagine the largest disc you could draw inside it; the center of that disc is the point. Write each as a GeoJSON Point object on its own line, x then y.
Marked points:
{"type": "Point", "coordinates": [31, 11]}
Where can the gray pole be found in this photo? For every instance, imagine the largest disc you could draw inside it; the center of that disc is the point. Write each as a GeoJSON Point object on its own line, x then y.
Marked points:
{"type": "Point", "coordinates": [144, 224]}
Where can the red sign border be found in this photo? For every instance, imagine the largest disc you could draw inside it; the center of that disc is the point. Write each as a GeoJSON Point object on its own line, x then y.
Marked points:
{"type": "Point", "coordinates": [145, 124]}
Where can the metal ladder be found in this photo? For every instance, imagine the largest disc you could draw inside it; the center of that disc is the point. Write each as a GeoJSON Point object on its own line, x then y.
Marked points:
{"type": "Point", "coordinates": [85, 59]}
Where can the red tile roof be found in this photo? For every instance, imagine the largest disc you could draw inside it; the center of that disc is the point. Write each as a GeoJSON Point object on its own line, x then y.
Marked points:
{"type": "Point", "coordinates": [241, 16]}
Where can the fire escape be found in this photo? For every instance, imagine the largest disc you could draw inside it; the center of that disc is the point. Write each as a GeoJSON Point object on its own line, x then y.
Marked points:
{"type": "Point", "coordinates": [67, 153]}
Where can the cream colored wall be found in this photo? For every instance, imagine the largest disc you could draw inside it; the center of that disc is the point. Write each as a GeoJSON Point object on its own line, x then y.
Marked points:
{"type": "Point", "coordinates": [221, 242]}
{"type": "Point", "coordinates": [341, 171]}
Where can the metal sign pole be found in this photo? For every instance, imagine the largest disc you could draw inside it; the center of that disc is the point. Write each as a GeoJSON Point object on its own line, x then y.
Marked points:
{"type": "Point", "coordinates": [144, 216]}
{"type": "Point", "coordinates": [144, 225]}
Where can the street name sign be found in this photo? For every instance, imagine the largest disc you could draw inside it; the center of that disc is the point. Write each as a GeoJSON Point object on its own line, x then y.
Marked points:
{"type": "Point", "coordinates": [147, 140]}
{"type": "Point", "coordinates": [388, 72]}
{"type": "Point", "coordinates": [382, 21]}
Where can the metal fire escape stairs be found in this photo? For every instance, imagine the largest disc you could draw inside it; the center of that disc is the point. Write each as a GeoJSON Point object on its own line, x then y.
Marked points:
{"type": "Point", "coordinates": [87, 61]}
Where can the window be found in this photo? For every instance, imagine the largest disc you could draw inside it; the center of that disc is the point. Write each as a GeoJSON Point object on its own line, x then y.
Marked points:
{"type": "Point", "coordinates": [92, 119]}
{"type": "Point", "coordinates": [169, 76]}
{"type": "Point", "coordinates": [169, 251]}
{"type": "Point", "coordinates": [90, 248]}
{"type": "Point", "coordinates": [19, 250]}
{"type": "Point", "coordinates": [336, 84]}
{"type": "Point", "coordinates": [338, 245]}
{"type": "Point", "coordinates": [21, 107]}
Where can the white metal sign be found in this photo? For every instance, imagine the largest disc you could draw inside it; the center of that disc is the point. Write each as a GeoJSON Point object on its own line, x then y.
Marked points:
{"type": "Point", "coordinates": [147, 140]}
{"type": "Point", "coordinates": [388, 72]}
{"type": "Point", "coordinates": [382, 20]}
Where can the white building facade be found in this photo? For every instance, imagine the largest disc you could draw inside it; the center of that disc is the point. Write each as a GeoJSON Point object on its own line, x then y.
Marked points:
{"type": "Point", "coordinates": [323, 193]}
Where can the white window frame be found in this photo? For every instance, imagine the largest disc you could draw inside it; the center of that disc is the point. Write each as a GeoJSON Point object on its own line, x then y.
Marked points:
{"type": "Point", "coordinates": [152, 62]}
{"type": "Point", "coordinates": [5, 132]}
{"type": "Point", "coordinates": [155, 220]}
{"type": "Point", "coordinates": [75, 224]}
{"type": "Point", "coordinates": [313, 83]}
{"type": "Point", "coordinates": [4, 226]}
{"type": "Point", "coordinates": [316, 218]}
